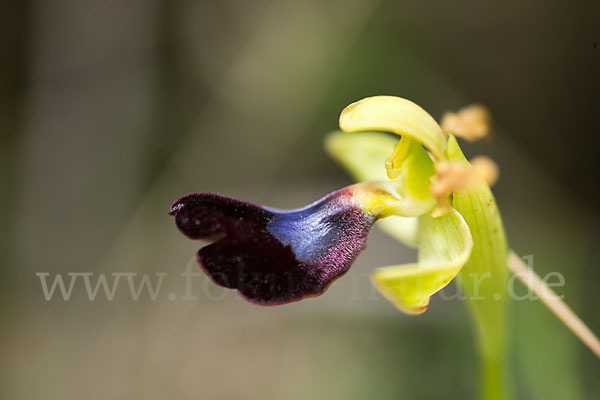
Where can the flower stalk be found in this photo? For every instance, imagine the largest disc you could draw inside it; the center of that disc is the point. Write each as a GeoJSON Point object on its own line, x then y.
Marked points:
{"type": "Point", "coordinates": [554, 303]}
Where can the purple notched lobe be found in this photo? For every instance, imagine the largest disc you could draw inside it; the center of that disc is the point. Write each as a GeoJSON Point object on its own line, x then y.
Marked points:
{"type": "Point", "coordinates": [272, 256]}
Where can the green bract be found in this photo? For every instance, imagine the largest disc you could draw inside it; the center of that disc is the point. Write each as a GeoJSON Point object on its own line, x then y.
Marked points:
{"type": "Point", "coordinates": [484, 278]}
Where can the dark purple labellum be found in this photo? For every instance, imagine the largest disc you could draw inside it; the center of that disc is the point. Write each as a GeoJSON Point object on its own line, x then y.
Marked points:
{"type": "Point", "coordinates": [270, 256]}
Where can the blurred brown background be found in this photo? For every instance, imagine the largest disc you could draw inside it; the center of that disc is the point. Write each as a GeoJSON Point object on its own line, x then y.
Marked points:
{"type": "Point", "coordinates": [110, 110]}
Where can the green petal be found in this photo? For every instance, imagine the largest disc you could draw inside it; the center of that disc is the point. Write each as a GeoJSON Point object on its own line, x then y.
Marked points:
{"type": "Point", "coordinates": [397, 115]}
{"type": "Point", "coordinates": [445, 245]}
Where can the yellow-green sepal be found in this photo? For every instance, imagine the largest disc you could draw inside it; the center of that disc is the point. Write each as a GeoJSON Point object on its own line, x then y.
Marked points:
{"type": "Point", "coordinates": [445, 245]}
{"type": "Point", "coordinates": [397, 115]}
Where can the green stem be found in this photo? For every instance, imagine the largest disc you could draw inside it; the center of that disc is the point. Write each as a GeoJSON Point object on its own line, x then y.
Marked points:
{"type": "Point", "coordinates": [494, 379]}
{"type": "Point", "coordinates": [484, 280]}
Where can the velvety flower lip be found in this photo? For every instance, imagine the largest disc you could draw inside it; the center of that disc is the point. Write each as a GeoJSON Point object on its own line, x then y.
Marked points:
{"type": "Point", "coordinates": [272, 256]}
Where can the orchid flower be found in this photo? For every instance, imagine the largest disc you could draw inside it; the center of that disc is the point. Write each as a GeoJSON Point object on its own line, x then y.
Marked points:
{"type": "Point", "coordinates": [275, 257]}
{"type": "Point", "coordinates": [461, 232]}
{"type": "Point", "coordinates": [419, 188]}
{"type": "Point", "coordinates": [461, 189]}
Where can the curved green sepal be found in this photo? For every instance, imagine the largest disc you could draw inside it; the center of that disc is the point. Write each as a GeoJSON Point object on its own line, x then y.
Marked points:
{"type": "Point", "coordinates": [445, 245]}
{"type": "Point", "coordinates": [397, 115]}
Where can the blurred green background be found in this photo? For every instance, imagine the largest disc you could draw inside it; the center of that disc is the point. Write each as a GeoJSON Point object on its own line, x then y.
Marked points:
{"type": "Point", "coordinates": [110, 110]}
